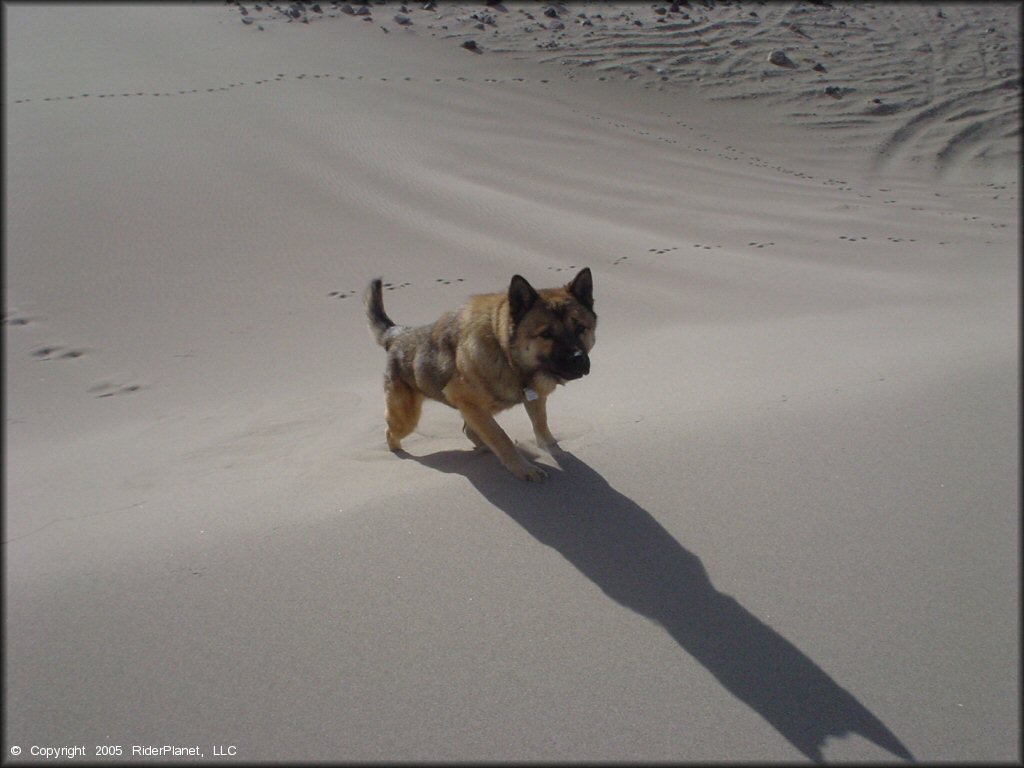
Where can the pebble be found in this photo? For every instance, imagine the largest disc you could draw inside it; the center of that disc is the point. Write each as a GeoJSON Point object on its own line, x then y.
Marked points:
{"type": "Point", "coordinates": [470, 45]}
{"type": "Point", "coordinates": [780, 59]}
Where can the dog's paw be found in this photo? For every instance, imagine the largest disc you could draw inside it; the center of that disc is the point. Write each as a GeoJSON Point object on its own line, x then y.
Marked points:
{"type": "Point", "coordinates": [548, 443]}
{"type": "Point", "coordinates": [531, 473]}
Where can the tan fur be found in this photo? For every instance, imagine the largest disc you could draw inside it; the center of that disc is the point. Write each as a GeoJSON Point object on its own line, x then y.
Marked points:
{"type": "Point", "coordinates": [485, 358]}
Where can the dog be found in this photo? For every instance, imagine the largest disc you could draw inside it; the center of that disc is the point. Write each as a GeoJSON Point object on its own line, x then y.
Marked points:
{"type": "Point", "coordinates": [498, 350]}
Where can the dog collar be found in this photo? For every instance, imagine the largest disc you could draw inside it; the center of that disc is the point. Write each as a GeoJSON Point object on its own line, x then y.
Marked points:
{"type": "Point", "coordinates": [530, 393]}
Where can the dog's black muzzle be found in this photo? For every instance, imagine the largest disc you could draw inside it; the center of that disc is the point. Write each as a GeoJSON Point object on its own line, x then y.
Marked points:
{"type": "Point", "coordinates": [573, 365]}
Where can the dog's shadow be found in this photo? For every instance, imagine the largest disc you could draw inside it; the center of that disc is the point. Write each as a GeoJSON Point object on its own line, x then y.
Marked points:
{"type": "Point", "coordinates": [622, 549]}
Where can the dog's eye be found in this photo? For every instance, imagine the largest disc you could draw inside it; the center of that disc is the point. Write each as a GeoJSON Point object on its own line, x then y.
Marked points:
{"type": "Point", "coordinates": [579, 330]}
{"type": "Point", "coordinates": [546, 334]}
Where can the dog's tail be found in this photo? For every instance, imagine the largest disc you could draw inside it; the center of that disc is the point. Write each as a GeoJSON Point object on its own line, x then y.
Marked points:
{"type": "Point", "coordinates": [380, 323]}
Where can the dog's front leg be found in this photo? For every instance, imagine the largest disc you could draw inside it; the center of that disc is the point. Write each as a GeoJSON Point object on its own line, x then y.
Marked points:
{"type": "Point", "coordinates": [473, 437]}
{"type": "Point", "coordinates": [488, 430]}
{"type": "Point", "coordinates": [537, 409]}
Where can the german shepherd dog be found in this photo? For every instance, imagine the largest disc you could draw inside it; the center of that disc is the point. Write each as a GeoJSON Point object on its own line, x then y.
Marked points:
{"type": "Point", "coordinates": [498, 350]}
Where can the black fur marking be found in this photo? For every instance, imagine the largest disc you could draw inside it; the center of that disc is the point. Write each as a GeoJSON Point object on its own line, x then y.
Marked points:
{"type": "Point", "coordinates": [521, 297]}
{"type": "Point", "coordinates": [582, 287]}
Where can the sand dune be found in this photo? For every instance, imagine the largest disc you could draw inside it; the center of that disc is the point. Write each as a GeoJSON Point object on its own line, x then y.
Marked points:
{"type": "Point", "coordinates": [933, 86]}
{"type": "Point", "coordinates": [784, 524]}
{"type": "Point", "coordinates": [920, 84]}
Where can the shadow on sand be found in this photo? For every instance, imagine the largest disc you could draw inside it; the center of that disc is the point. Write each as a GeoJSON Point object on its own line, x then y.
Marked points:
{"type": "Point", "coordinates": [622, 549]}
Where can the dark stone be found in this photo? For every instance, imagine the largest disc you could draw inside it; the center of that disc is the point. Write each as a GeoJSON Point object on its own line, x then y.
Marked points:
{"type": "Point", "coordinates": [780, 59]}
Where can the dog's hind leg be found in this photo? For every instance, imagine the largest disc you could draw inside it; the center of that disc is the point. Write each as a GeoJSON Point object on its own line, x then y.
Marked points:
{"type": "Point", "coordinates": [403, 407]}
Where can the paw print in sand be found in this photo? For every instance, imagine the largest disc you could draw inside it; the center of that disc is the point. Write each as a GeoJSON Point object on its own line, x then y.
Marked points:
{"type": "Point", "coordinates": [110, 388]}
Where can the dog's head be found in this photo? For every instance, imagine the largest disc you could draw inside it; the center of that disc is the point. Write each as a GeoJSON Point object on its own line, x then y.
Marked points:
{"type": "Point", "coordinates": [553, 329]}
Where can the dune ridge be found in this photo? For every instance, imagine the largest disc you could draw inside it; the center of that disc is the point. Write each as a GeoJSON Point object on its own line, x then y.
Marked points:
{"type": "Point", "coordinates": [934, 87]}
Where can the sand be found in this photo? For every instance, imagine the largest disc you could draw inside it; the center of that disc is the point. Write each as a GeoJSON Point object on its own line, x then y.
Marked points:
{"type": "Point", "coordinates": [785, 522]}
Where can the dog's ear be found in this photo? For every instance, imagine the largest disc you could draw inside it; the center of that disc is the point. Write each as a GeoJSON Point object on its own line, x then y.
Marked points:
{"type": "Point", "coordinates": [582, 287]}
{"type": "Point", "coordinates": [521, 296]}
